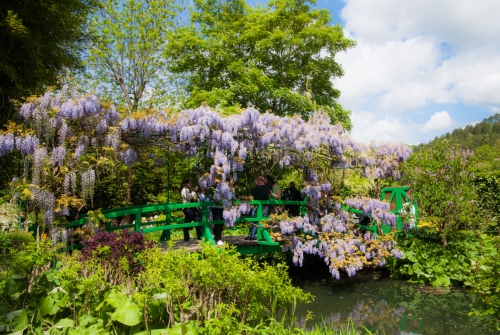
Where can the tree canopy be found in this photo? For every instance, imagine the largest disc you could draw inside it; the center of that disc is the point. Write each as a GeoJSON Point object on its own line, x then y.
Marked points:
{"type": "Point", "coordinates": [127, 56]}
{"type": "Point", "coordinates": [279, 57]}
{"type": "Point", "coordinates": [38, 40]}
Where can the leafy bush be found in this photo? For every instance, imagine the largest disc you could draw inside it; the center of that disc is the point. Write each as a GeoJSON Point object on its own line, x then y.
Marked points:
{"type": "Point", "coordinates": [215, 292]}
{"type": "Point", "coordinates": [8, 217]}
{"type": "Point", "coordinates": [17, 235]}
{"type": "Point", "coordinates": [113, 247]}
{"type": "Point", "coordinates": [484, 280]}
{"type": "Point", "coordinates": [215, 281]}
{"type": "Point", "coordinates": [427, 261]}
{"type": "Point", "coordinates": [441, 178]}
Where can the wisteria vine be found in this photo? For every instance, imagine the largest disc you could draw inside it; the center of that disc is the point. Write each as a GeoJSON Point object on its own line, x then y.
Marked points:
{"type": "Point", "coordinates": [61, 129]}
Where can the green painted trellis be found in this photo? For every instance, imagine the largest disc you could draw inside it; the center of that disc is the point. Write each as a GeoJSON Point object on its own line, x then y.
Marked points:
{"type": "Point", "coordinates": [397, 196]}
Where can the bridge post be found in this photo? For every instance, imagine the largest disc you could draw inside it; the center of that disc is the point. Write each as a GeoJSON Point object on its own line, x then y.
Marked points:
{"type": "Point", "coordinates": [169, 220]}
{"type": "Point", "coordinates": [259, 217]}
{"type": "Point", "coordinates": [206, 233]}
{"type": "Point", "coordinates": [137, 224]}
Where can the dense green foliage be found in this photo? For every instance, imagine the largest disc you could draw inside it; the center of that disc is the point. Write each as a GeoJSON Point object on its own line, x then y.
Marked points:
{"type": "Point", "coordinates": [483, 138]}
{"type": "Point", "coordinates": [486, 132]}
{"type": "Point", "coordinates": [470, 259]}
{"type": "Point", "coordinates": [426, 260]}
{"type": "Point", "coordinates": [39, 39]}
{"type": "Point", "coordinates": [441, 179]}
{"type": "Point", "coordinates": [487, 190]}
{"type": "Point", "coordinates": [457, 191]}
{"type": "Point", "coordinates": [216, 292]}
{"type": "Point", "coordinates": [484, 279]}
{"type": "Point", "coordinates": [279, 57]}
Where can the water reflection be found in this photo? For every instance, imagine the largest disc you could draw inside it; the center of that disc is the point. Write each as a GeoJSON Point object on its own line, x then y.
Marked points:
{"type": "Point", "coordinates": [391, 307]}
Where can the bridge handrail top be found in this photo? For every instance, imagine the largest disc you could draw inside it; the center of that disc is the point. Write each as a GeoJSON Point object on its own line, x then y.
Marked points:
{"type": "Point", "coordinates": [179, 205]}
{"type": "Point", "coordinates": [170, 206]}
{"type": "Point", "coordinates": [252, 202]}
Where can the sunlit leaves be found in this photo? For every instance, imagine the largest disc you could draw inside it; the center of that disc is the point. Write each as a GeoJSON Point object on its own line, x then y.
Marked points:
{"type": "Point", "coordinates": [129, 39]}
{"type": "Point", "coordinates": [279, 57]}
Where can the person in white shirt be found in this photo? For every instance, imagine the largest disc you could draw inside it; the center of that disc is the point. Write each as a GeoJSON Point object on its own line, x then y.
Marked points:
{"type": "Point", "coordinates": [188, 196]}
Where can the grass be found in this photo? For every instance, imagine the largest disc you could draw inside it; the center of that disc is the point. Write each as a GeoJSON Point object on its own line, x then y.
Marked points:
{"type": "Point", "coordinates": [276, 327]}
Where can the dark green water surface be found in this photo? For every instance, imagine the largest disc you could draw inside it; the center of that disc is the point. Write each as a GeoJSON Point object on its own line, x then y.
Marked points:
{"type": "Point", "coordinates": [390, 306]}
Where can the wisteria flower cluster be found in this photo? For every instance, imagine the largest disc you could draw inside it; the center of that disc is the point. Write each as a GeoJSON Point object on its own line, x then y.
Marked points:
{"type": "Point", "coordinates": [59, 130]}
{"type": "Point", "coordinates": [379, 210]}
{"type": "Point", "coordinates": [349, 251]}
{"type": "Point", "coordinates": [334, 238]}
{"type": "Point", "coordinates": [381, 161]}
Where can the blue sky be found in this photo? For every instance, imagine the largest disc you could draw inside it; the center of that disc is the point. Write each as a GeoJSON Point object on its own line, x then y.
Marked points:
{"type": "Point", "coordinates": [420, 68]}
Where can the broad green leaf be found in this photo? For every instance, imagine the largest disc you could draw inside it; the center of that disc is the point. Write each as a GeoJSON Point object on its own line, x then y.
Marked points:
{"type": "Point", "coordinates": [127, 313]}
{"type": "Point", "coordinates": [58, 289]}
{"type": "Point", "coordinates": [47, 305]}
{"type": "Point", "coordinates": [65, 323]}
{"type": "Point", "coordinates": [21, 321]}
{"type": "Point", "coordinates": [11, 286]}
{"type": "Point", "coordinates": [159, 296]}
{"type": "Point", "coordinates": [115, 298]}
{"type": "Point", "coordinates": [85, 320]}
{"type": "Point", "coordinates": [10, 316]}
{"type": "Point", "coordinates": [184, 329]}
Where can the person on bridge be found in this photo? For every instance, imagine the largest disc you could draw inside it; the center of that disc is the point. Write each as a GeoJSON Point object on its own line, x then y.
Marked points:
{"type": "Point", "coordinates": [259, 192]}
{"type": "Point", "coordinates": [291, 193]}
{"type": "Point", "coordinates": [189, 196]}
{"type": "Point", "coordinates": [275, 193]}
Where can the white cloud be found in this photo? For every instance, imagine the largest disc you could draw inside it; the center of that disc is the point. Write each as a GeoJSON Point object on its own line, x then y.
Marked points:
{"type": "Point", "coordinates": [459, 22]}
{"type": "Point", "coordinates": [370, 126]}
{"type": "Point", "coordinates": [438, 121]}
{"type": "Point", "coordinates": [413, 54]}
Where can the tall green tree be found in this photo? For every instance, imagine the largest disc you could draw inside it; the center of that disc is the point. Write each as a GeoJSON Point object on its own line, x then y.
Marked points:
{"type": "Point", "coordinates": [39, 39]}
{"type": "Point", "coordinates": [280, 57]}
{"type": "Point", "coordinates": [126, 59]}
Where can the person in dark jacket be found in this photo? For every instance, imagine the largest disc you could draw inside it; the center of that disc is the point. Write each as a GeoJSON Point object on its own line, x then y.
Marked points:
{"type": "Point", "coordinates": [259, 192]}
{"type": "Point", "coordinates": [292, 193]}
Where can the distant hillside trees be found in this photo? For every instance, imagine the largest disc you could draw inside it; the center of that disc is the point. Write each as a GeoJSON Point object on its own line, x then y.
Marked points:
{"type": "Point", "coordinates": [483, 138]}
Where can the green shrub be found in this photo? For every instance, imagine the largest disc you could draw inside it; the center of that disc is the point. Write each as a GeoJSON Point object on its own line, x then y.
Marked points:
{"type": "Point", "coordinates": [470, 259]}
{"type": "Point", "coordinates": [214, 292]}
{"type": "Point", "coordinates": [9, 220]}
{"type": "Point", "coordinates": [426, 260]}
{"type": "Point", "coordinates": [484, 280]}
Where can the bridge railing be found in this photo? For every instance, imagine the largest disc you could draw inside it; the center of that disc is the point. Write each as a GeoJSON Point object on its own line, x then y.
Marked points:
{"type": "Point", "coordinates": [396, 196]}
{"type": "Point", "coordinates": [170, 223]}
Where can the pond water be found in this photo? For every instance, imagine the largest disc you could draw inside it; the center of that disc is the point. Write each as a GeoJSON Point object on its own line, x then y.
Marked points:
{"type": "Point", "coordinates": [390, 306]}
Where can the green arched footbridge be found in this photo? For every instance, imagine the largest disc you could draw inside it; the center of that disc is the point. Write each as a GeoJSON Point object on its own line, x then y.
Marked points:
{"type": "Point", "coordinates": [396, 196]}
